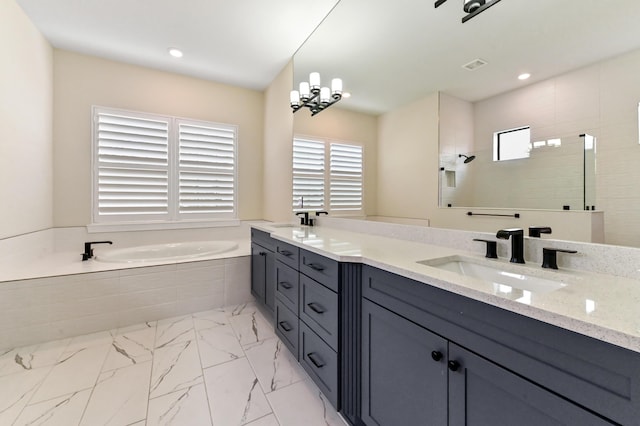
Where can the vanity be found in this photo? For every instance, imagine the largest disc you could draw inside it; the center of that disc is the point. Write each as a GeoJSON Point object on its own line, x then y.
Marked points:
{"type": "Point", "coordinates": [392, 337]}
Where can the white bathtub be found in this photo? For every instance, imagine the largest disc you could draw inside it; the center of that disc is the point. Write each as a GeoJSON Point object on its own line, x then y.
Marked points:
{"type": "Point", "coordinates": [166, 252]}
{"type": "Point", "coordinates": [47, 292]}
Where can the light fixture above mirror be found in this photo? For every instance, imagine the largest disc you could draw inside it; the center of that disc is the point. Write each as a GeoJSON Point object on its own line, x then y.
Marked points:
{"type": "Point", "coordinates": [311, 95]}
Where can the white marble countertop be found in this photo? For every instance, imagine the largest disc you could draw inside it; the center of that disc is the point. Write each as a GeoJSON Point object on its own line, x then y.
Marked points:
{"type": "Point", "coordinates": [604, 307]}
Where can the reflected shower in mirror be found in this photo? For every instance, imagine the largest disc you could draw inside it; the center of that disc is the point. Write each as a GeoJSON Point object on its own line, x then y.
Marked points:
{"type": "Point", "coordinates": [557, 173]}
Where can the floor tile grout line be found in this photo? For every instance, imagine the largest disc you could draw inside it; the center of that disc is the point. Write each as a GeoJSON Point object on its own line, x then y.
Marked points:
{"type": "Point", "coordinates": [153, 358]}
{"type": "Point", "coordinates": [106, 355]}
{"type": "Point", "coordinates": [204, 382]}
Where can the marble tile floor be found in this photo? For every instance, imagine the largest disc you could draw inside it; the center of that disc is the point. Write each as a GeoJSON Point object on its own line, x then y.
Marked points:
{"type": "Point", "coordinates": [221, 367]}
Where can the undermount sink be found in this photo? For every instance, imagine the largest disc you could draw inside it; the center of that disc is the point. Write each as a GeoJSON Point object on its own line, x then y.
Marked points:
{"type": "Point", "coordinates": [504, 277]}
{"type": "Point", "coordinates": [283, 225]}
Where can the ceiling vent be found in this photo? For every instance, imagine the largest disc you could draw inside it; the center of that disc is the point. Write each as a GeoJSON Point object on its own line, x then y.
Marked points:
{"type": "Point", "coordinates": [475, 64]}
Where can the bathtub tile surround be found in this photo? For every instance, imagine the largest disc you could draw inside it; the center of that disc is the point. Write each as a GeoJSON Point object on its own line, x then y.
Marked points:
{"type": "Point", "coordinates": [80, 381]}
{"type": "Point", "coordinates": [38, 310]}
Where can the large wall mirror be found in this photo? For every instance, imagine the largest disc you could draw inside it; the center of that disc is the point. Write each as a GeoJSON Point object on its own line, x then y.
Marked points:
{"type": "Point", "coordinates": [584, 60]}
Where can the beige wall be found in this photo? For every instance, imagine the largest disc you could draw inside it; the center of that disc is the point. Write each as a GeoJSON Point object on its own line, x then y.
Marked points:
{"type": "Point", "coordinates": [26, 97]}
{"type": "Point", "coordinates": [408, 160]}
{"type": "Point", "coordinates": [278, 149]}
{"type": "Point", "coordinates": [348, 126]}
{"type": "Point", "coordinates": [82, 81]}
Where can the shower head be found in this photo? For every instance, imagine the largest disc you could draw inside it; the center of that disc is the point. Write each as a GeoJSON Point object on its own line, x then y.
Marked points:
{"type": "Point", "coordinates": [467, 159]}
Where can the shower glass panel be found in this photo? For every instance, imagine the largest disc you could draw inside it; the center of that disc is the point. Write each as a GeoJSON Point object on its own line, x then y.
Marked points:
{"type": "Point", "coordinates": [559, 172]}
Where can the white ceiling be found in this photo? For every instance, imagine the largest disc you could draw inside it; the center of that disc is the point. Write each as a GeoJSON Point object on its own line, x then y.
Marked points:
{"type": "Point", "coordinates": [239, 42]}
{"type": "Point", "coordinates": [392, 52]}
{"type": "Point", "coordinates": [387, 52]}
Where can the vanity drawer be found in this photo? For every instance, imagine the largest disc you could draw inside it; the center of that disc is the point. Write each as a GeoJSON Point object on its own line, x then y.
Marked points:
{"type": "Point", "coordinates": [287, 327]}
{"type": "Point", "coordinates": [319, 310]}
{"type": "Point", "coordinates": [263, 238]}
{"type": "Point", "coordinates": [287, 286]}
{"type": "Point", "coordinates": [320, 361]}
{"type": "Point", "coordinates": [320, 268]}
{"type": "Point", "coordinates": [288, 254]}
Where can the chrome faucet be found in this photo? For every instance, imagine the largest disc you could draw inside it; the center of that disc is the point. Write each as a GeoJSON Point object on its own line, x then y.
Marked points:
{"type": "Point", "coordinates": [517, 243]}
{"type": "Point", "coordinates": [88, 251]}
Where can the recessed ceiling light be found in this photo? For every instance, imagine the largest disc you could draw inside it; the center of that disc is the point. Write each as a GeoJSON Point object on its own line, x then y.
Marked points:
{"type": "Point", "coordinates": [346, 94]}
{"type": "Point", "coordinates": [176, 53]}
{"type": "Point", "coordinates": [524, 76]}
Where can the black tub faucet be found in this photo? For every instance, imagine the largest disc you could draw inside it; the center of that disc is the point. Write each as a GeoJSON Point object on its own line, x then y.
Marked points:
{"type": "Point", "coordinates": [517, 243]}
{"type": "Point", "coordinates": [303, 220]}
{"type": "Point", "coordinates": [535, 231]}
{"type": "Point", "coordinates": [88, 250]}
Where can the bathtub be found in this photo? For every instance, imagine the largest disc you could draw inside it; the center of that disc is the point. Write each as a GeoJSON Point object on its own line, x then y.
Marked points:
{"type": "Point", "coordinates": [167, 252]}
{"type": "Point", "coordinates": [47, 292]}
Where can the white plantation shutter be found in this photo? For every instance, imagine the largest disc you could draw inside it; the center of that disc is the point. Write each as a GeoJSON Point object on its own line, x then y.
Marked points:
{"type": "Point", "coordinates": [132, 159]}
{"type": "Point", "coordinates": [207, 169]}
{"type": "Point", "coordinates": [155, 168]}
{"type": "Point", "coordinates": [308, 174]}
{"type": "Point", "coordinates": [328, 175]}
{"type": "Point", "coordinates": [345, 179]}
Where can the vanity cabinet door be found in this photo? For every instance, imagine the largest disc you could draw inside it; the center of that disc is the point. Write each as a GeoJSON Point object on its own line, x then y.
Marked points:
{"type": "Point", "coordinates": [263, 271]}
{"type": "Point", "coordinates": [258, 271]}
{"type": "Point", "coordinates": [404, 373]}
{"type": "Point", "coordinates": [270, 281]}
{"type": "Point", "coordinates": [483, 393]}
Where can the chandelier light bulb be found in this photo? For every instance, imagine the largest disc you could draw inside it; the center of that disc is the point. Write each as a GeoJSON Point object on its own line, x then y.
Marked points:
{"type": "Point", "coordinates": [295, 98]}
{"type": "Point", "coordinates": [325, 94]}
{"type": "Point", "coordinates": [336, 86]}
{"type": "Point", "coordinates": [304, 90]}
{"type": "Point", "coordinates": [314, 80]}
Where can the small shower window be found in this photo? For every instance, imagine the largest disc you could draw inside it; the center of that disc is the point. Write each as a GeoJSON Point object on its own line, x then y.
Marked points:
{"type": "Point", "coordinates": [512, 144]}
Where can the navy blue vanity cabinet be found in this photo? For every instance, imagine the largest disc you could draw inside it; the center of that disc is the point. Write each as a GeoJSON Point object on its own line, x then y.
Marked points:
{"type": "Point", "coordinates": [287, 294]}
{"type": "Point", "coordinates": [405, 372]}
{"type": "Point", "coordinates": [425, 350]}
{"type": "Point", "coordinates": [263, 273]}
{"type": "Point", "coordinates": [483, 393]}
{"type": "Point", "coordinates": [319, 322]}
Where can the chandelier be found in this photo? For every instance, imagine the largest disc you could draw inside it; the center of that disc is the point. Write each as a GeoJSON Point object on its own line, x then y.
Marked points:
{"type": "Point", "coordinates": [314, 97]}
{"type": "Point", "coordinates": [471, 7]}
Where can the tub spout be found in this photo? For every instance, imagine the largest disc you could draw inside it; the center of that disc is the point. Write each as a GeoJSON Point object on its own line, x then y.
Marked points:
{"type": "Point", "coordinates": [88, 250]}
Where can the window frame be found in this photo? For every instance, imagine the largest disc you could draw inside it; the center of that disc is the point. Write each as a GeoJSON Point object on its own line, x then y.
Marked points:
{"type": "Point", "coordinates": [327, 143]}
{"type": "Point", "coordinates": [173, 219]}
{"type": "Point", "coordinates": [496, 142]}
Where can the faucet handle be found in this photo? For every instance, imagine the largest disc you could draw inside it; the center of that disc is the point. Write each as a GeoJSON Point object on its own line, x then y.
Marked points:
{"type": "Point", "coordinates": [492, 252]}
{"type": "Point", "coordinates": [535, 231]}
{"type": "Point", "coordinates": [549, 256]}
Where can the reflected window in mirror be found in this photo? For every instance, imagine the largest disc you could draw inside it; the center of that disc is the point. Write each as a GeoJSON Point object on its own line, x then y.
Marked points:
{"type": "Point", "coordinates": [328, 175]}
{"type": "Point", "coordinates": [512, 144]}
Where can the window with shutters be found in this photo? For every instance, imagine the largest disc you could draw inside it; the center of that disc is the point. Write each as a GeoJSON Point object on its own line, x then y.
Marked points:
{"type": "Point", "coordinates": [151, 168]}
{"type": "Point", "coordinates": [327, 175]}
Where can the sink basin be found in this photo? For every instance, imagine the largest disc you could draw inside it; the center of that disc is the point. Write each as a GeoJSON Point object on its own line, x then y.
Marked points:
{"type": "Point", "coordinates": [504, 277]}
{"type": "Point", "coordinates": [283, 225]}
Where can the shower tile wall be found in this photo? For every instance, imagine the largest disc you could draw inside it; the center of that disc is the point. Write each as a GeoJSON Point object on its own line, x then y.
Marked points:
{"type": "Point", "coordinates": [43, 309]}
{"type": "Point", "coordinates": [601, 100]}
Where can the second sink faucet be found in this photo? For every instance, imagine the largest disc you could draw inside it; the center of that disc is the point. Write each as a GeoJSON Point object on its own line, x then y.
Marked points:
{"type": "Point", "coordinates": [517, 243]}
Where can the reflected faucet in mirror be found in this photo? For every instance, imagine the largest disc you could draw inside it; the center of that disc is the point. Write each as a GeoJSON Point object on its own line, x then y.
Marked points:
{"type": "Point", "coordinates": [535, 231]}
